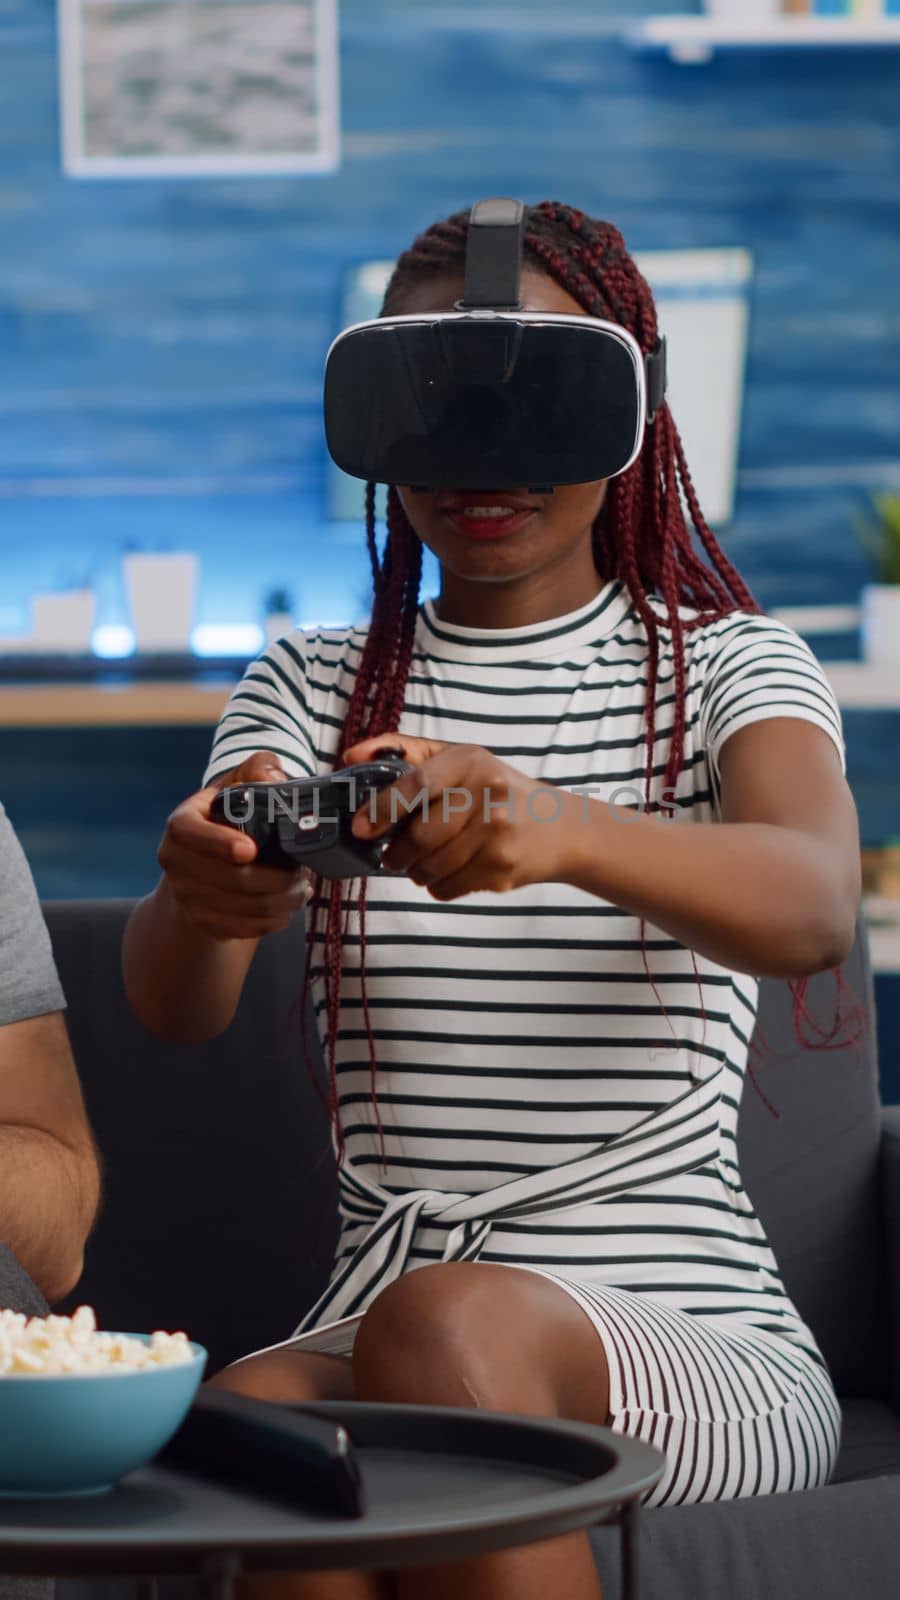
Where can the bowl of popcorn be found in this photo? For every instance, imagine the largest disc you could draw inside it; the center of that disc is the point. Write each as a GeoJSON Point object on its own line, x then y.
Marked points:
{"type": "Point", "coordinates": [80, 1408]}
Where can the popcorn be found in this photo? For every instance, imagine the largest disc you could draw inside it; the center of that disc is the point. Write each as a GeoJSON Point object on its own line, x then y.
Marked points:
{"type": "Point", "coordinates": [73, 1345]}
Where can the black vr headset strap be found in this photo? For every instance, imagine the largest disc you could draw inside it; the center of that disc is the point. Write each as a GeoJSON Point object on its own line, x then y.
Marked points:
{"type": "Point", "coordinates": [493, 256]}
{"type": "Point", "coordinates": [655, 364]}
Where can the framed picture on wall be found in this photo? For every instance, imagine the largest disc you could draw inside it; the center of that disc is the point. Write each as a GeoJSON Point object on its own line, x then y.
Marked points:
{"type": "Point", "coordinates": [181, 88]}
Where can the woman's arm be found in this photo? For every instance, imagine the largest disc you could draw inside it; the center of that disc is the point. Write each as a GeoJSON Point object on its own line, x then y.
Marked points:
{"type": "Point", "coordinates": [182, 983]}
{"type": "Point", "coordinates": [188, 946]}
{"type": "Point", "coordinates": [773, 889]}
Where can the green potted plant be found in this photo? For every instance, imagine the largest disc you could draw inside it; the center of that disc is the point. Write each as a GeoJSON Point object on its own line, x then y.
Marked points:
{"type": "Point", "coordinates": [879, 535]}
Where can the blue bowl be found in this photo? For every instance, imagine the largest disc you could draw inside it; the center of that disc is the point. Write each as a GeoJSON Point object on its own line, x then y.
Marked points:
{"type": "Point", "coordinates": [78, 1433]}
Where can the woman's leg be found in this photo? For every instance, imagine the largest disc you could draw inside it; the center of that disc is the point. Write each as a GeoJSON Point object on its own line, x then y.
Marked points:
{"type": "Point", "coordinates": [300, 1375]}
{"type": "Point", "coordinates": [495, 1337]}
{"type": "Point", "coordinates": [289, 1375]}
{"type": "Point", "coordinates": [467, 1334]}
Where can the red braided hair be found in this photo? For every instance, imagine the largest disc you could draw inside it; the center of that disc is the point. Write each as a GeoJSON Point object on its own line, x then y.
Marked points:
{"type": "Point", "coordinates": [640, 536]}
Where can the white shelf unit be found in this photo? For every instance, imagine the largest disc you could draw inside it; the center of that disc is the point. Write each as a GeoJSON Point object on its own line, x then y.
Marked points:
{"type": "Point", "coordinates": [695, 40]}
{"type": "Point", "coordinates": [884, 951]}
{"type": "Point", "coordinates": [882, 918]}
{"type": "Point", "coordinates": [813, 620]}
{"type": "Point", "coordinates": [863, 688]}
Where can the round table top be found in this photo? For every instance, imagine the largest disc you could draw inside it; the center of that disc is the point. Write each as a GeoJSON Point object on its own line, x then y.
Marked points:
{"type": "Point", "coordinates": [439, 1483]}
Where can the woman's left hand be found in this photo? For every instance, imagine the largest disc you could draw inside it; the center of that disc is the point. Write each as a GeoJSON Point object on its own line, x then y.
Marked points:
{"type": "Point", "coordinates": [478, 823]}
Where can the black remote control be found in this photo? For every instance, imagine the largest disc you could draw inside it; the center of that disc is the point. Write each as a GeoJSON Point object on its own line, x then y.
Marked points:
{"type": "Point", "coordinates": [281, 1450]}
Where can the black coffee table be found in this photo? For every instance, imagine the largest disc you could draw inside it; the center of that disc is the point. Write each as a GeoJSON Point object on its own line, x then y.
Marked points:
{"type": "Point", "coordinates": [440, 1483]}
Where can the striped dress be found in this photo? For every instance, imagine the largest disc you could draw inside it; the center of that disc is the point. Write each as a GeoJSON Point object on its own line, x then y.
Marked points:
{"type": "Point", "coordinates": [542, 1106]}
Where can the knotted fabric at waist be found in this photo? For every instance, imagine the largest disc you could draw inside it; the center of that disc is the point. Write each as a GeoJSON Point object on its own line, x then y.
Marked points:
{"type": "Point", "coordinates": [673, 1139]}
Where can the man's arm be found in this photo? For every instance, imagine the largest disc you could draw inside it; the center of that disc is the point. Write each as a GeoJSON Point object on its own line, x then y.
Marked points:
{"type": "Point", "coordinates": [49, 1170]}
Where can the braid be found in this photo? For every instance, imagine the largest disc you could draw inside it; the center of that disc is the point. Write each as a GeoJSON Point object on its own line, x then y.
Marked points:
{"type": "Point", "coordinates": [381, 677]}
{"type": "Point", "coordinates": [641, 536]}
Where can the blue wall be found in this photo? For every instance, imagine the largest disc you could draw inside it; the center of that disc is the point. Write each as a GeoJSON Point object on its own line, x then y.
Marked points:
{"type": "Point", "coordinates": [163, 340]}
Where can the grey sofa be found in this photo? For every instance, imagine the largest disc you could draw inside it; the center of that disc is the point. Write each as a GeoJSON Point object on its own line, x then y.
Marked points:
{"type": "Point", "coordinates": [220, 1217]}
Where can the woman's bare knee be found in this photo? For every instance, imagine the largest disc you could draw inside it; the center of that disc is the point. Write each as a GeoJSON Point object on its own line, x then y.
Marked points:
{"type": "Point", "coordinates": [440, 1335]}
{"type": "Point", "coordinates": [295, 1375]}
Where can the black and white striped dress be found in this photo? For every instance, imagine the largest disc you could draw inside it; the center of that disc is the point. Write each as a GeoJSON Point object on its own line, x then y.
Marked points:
{"type": "Point", "coordinates": [540, 1109]}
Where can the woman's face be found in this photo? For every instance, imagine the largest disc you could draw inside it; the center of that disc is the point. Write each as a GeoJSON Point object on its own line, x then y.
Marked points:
{"type": "Point", "coordinates": [540, 531]}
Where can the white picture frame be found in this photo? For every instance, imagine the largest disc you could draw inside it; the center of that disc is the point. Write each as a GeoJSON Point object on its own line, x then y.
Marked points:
{"type": "Point", "coordinates": [200, 70]}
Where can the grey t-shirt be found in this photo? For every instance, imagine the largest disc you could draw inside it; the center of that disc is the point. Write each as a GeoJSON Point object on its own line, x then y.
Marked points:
{"type": "Point", "coordinates": [29, 984]}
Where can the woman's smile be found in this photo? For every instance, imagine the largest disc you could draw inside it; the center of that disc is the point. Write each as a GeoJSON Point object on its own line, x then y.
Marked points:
{"type": "Point", "coordinates": [482, 514]}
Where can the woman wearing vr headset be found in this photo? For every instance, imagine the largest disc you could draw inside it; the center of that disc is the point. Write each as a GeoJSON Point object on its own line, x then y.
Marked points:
{"type": "Point", "coordinates": [537, 1038]}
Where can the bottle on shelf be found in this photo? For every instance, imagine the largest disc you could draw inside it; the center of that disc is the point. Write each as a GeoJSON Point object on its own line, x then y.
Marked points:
{"type": "Point", "coordinates": [279, 615]}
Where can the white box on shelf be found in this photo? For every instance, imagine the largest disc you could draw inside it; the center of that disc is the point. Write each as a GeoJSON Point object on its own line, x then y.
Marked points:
{"type": "Point", "coordinates": [62, 624]}
{"type": "Point", "coordinates": [162, 591]}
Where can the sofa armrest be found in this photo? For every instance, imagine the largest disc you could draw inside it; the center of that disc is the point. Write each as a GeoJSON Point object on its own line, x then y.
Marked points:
{"type": "Point", "coordinates": [17, 1291]}
{"type": "Point", "coordinates": [890, 1180]}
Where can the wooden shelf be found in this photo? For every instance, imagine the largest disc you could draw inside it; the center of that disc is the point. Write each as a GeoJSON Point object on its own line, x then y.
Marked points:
{"type": "Point", "coordinates": [172, 667]}
{"type": "Point", "coordinates": [174, 703]}
{"type": "Point", "coordinates": [694, 40]}
{"type": "Point", "coordinates": [114, 705]}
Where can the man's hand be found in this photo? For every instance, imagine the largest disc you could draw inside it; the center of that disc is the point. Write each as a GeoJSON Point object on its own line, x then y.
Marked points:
{"type": "Point", "coordinates": [476, 822]}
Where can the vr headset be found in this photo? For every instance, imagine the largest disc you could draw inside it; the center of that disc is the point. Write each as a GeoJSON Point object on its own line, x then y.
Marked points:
{"type": "Point", "coordinates": [489, 396]}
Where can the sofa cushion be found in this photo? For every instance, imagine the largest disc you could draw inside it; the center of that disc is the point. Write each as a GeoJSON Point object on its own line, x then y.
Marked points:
{"type": "Point", "coordinates": [812, 1172]}
{"type": "Point", "coordinates": [870, 1441]}
{"type": "Point", "coordinates": [18, 1292]}
{"type": "Point", "coordinates": [825, 1544]}
{"type": "Point", "coordinates": [219, 1212]}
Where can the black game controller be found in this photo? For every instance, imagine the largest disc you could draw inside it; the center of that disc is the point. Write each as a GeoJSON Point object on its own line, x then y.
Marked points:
{"type": "Point", "coordinates": [306, 821]}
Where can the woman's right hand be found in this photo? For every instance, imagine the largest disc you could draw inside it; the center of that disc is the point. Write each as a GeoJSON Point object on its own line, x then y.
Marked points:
{"type": "Point", "coordinates": [212, 872]}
